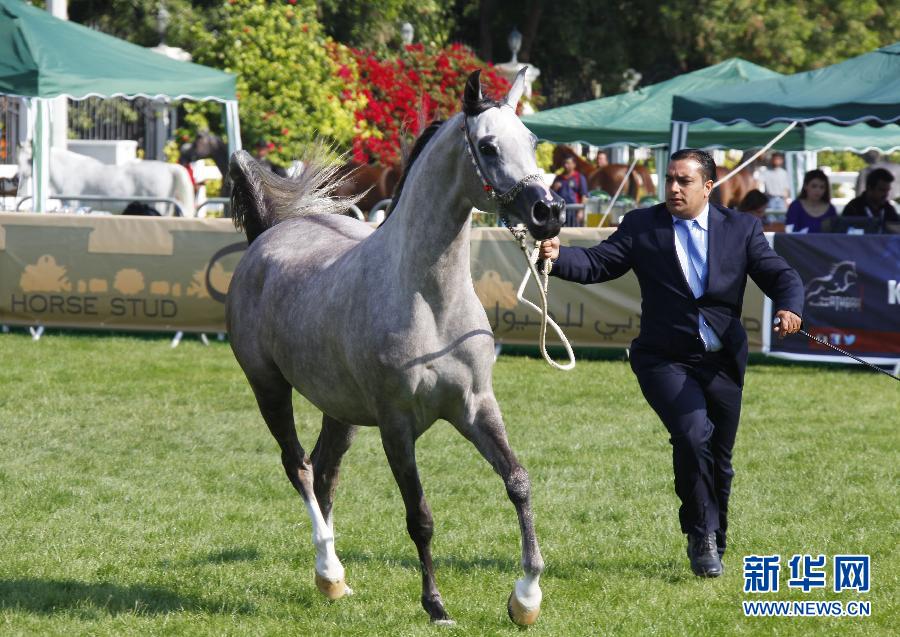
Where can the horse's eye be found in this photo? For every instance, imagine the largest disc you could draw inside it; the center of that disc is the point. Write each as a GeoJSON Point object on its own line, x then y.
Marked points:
{"type": "Point", "coordinates": [487, 149]}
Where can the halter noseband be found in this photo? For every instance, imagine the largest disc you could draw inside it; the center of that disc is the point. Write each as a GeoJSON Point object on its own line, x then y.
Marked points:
{"type": "Point", "coordinates": [501, 198]}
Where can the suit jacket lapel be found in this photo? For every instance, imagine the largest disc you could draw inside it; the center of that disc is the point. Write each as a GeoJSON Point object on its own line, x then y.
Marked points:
{"type": "Point", "coordinates": [716, 243]}
{"type": "Point", "coordinates": [665, 238]}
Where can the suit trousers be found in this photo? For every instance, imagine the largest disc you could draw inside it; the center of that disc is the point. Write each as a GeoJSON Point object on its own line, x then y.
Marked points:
{"type": "Point", "coordinates": [699, 402]}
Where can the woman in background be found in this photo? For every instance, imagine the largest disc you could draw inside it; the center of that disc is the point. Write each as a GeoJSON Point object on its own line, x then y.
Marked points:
{"type": "Point", "coordinates": [813, 206]}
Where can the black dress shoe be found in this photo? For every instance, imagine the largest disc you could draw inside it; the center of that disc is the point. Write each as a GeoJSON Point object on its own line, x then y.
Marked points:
{"type": "Point", "coordinates": [704, 555]}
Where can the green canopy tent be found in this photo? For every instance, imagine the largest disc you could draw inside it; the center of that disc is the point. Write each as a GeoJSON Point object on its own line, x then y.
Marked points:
{"type": "Point", "coordinates": [643, 118]}
{"type": "Point", "coordinates": [862, 89]}
{"type": "Point", "coordinates": [43, 57]}
{"type": "Point", "coordinates": [861, 94]}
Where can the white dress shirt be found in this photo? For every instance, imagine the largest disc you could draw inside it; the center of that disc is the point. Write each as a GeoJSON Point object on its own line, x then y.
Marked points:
{"type": "Point", "coordinates": [710, 339]}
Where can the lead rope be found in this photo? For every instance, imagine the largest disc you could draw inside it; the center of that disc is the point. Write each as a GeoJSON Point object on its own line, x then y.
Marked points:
{"type": "Point", "coordinates": [520, 234]}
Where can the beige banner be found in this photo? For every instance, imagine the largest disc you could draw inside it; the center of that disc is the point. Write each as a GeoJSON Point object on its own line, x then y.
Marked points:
{"type": "Point", "coordinates": [168, 274]}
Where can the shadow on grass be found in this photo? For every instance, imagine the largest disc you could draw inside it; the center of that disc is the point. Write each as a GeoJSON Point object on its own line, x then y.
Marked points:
{"type": "Point", "coordinates": [48, 596]}
{"type": "Point", "coordinates": [670, 570]}
{"type": "Point", "coordinates": [239, 554]}
{"type": "Point", "coordinates": [465, 565]}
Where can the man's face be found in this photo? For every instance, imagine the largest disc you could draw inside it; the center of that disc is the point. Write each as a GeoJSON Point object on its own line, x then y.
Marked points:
{"type": "Point", "coordinates": [777, 161]}
{"type": "Point", "coordinates": [569, 164]}
{"type": "Point", "coordinates": [878, 195]}
{"type": "Point", "coordinates": [686, 189]}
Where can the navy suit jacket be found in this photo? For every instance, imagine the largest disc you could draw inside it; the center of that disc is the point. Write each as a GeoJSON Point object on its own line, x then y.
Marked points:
{"type": "Point", "coordinates": [670, 315]}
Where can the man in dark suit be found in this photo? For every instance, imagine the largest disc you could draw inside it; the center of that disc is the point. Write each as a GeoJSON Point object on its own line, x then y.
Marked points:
{"type": "Point", "coordinates": [692, 259]}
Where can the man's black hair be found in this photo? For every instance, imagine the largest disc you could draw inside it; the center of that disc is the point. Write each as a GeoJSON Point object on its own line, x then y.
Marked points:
{"type": "Point", "coordinates": [878, 175]}
{"type": "Point", "coordinates": [707, 163]}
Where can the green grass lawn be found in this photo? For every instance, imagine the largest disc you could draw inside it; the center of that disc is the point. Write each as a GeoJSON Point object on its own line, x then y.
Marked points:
{"type": "Point", "coordinates": [141, 494]}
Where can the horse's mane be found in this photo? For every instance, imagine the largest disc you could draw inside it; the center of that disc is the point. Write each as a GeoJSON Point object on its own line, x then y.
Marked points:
{"type": "Point", "coordinates": [417, 149]}
{"type": "Point", "coordinates": [260, 198]}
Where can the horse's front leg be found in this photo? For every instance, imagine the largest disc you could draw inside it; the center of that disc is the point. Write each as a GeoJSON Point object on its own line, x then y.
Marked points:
{"type": "Point", "coordinates": [398, 439]}
{"type": "Point", "coordinates": [483, 426]}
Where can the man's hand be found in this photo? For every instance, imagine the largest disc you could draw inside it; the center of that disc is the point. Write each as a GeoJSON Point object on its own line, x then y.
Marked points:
{"type": "Point", "coordinates": [550, 249]}
{"type": "Point", "coordinates": [790, 323]}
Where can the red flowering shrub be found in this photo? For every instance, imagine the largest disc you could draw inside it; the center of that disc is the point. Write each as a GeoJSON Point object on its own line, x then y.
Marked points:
{"type": "Point", "coordinates": [393, 97]}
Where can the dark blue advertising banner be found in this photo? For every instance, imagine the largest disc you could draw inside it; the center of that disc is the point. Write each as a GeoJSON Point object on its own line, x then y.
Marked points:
{"type": "Point", "coordinates": [852, 299]}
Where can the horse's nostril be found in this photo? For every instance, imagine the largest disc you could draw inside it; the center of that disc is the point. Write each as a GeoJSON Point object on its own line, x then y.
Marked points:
{"type": "Point", "coordinates": [559, 210]}
{"type": "Point", "coordinates": [541, 213]}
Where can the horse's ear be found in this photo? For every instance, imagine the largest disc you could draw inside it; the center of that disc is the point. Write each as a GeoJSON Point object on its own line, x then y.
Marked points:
{"type": "Point", "coordinates": [472, 96]}
{"type": "Point", "coordinates": [518, 87]}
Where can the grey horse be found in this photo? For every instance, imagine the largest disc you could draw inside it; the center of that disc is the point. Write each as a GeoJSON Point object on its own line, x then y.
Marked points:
{"type": "Point", "coordinates": [383, 327]}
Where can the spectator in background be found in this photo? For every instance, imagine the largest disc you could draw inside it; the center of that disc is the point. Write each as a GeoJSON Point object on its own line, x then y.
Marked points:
{"type": "Point", "coordinates": [572, 187]}
{"type": "Point", "coordinates": [873, 202]}
{"type": "Point", "coordinates": [755, 203]}
{"type": "Point", "coordinates": [876, 160]}
{"type": "Point", "coordinates": [602, 159]}
{"type": "Point", "coordinates": [813, 206]}
{"type": "Point", "coordinates": [776, 183]}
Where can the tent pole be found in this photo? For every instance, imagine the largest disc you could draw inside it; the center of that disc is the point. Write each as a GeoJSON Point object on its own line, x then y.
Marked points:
{"type": "Point", "coordinates": [679, 136]}
{"type": "Point", "coordinates": [661, 157]}
{"type": "Point", "coordinates": [232, 127]}
{"type": "Point", "coordinates": [798, 163]}
{"type": "Point", "coordinates": [39, 123]}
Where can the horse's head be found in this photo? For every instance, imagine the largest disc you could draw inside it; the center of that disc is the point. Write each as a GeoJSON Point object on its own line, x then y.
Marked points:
{"type": "Point", "coordinates": [502, 152]}
{"type": "Point", "coordinates": [201, 148]}
{"type": "Point", "coordinates": [560, 154]}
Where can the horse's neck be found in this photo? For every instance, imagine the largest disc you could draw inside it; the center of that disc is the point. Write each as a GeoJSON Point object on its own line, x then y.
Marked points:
{"type": "Point", "coordinates": [427, 236]}
{"type": "Point", "coordinates": [219, 153]}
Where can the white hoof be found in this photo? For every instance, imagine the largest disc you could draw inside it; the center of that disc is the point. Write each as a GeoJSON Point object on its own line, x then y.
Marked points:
{"type": "Point", "coordinates": [520, 614]}
{"type": "Point", "coordinates": [444, 622]}
{"type": "Point", "coordinates": [332, 589]}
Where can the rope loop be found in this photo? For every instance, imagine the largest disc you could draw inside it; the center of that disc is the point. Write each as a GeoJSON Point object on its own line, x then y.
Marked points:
{"type": "Point", "coordinates": [543, 283]}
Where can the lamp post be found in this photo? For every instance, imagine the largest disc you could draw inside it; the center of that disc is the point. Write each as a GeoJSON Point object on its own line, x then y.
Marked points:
{"type": "Point", "coordinates": [511, 68]}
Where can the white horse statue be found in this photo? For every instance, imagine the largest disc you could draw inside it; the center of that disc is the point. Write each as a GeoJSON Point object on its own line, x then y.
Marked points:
{"type": "Point", "coordinates": [72, 174]}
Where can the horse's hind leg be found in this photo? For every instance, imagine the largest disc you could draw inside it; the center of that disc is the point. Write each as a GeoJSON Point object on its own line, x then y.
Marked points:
{"type": "Point", "coordinates": [333, 443]}
{"type": "Point", "coordinates": [483, 427]}
{"type": "Point", "coordinates": [399, 447]}
{"type": "Point", "coordinates": [274, 399]}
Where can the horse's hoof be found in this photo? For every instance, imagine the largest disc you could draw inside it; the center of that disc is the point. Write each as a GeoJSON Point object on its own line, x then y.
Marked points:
{"type": "Point", "coordinates": [519, 614]}
{"type": "Point", "coordinates": [332, 589]}
{"type": "Point", "coordinates": [443, 622]}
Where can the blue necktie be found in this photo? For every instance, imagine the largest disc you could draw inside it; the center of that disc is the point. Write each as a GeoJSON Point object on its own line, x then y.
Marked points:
{"type": "Point", "coordinates": [691, 235]}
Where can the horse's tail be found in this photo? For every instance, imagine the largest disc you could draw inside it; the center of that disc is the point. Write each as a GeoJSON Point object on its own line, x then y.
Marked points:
{"type": "Point", "coordinates": [184, 190]}
{"type": "Point", "coordinates": [260, 199]}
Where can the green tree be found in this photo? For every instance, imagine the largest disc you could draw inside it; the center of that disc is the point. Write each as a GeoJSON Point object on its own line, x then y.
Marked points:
{"type": "Point", "coordinates": [287, 86]}
{"type": "Point", "coordinates": [795, 35]}
{"type": "Point", "coordinates": [137, 20]}
{"type": "Point", "coordinates": [585, 43]}
{"type": "Point", "coordinates": [376, 25]}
